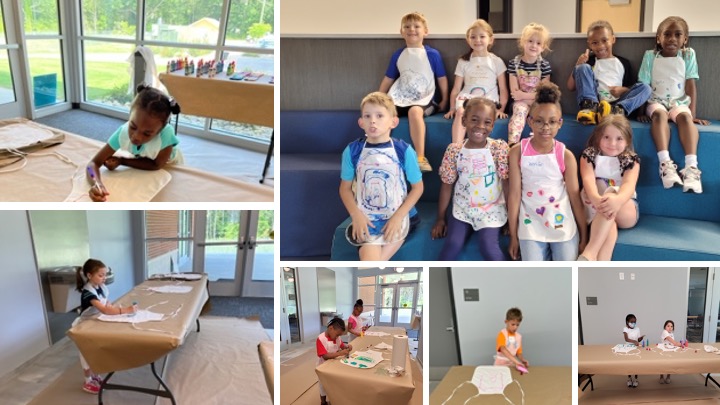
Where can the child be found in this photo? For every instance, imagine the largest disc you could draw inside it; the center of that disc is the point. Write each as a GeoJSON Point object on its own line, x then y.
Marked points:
{"type": "Point", "coordinates": [667, 337]}
{"type": "Point", "coordinates": [90, 282]}
{"type": "Point", "coordinates": [544, 197]}
{"type": "Point", "coordinates": [604, 81]}
{"type": "Point", "coordinates": [526, 71]}
{"type": "Point", "coordinates": [672, 69]}
{"type": "Point", "coordinates": [609, 168]}
{"type": "Point", "coordinates": [329, 346]}
{"type": "Point", "coordinates": [479, 73]}
{"type": "Point", "coordinates": [478, 170]}
{"type": "Point", "coordinates": [147, 135]}
{"type": "Point", "coordinates": [380, 165]}
{"type": "Point", "coordinates": [632, 335]}
{"type": "Point", "coordinates": [410, 81]}
{"type": "Point", "coordinates": [509, 342]}
{"type": "Point", "coordinates": [355, 326]}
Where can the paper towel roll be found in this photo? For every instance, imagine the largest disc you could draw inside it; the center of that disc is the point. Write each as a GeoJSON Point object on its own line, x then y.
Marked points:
{"type": "Point", "coordinates": [399, 351]}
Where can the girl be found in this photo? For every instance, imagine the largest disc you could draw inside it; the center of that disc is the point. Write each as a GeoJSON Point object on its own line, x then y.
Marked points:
{"type": "Point", "coordinates": [632, 335]}
{"type": "Point", "coordinates": [329, 346]}
{"type": "Point", "coordinates": [355, 326]}
{"type": "Point", "coordinates": [90, 282]}
{"type": "Point", "coordinates": [667, 337]}
{"type": "Point", "coordinates": [481, 72]}
{"type": "Point", "coordinates": [609, 168]}
{"type": "Point", "coordinates": [544, 197]}
{"type": "Point", "coordinates": [147, 135]}
{"type": "Point", "coordinates": [526, 71]}
{"type": "Point", "coordinates": [477, 168]}
{"type": "Point", "coordinates": [671, 71]}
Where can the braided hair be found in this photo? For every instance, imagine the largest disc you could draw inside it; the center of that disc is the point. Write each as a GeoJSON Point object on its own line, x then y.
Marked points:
{"type": "Point", "coordinates": [337, 323]}
{"type": "Point", "coordinates": [155, 103]}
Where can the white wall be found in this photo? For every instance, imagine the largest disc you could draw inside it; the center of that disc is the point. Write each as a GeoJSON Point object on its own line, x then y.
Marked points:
{"type": "Point", "coordinates": [374, 16]}
{"type": "Point", "coordinates": [345, 290]}
{"type": "Point", "coordinates": [544, 295]}
{"type": "Point", "coordinates": [309, 311]}
{"type": "Point", "coordinates": [656, 295]}
{"type": "Point", "coordinates": [110, 235]}
{"type": "Point", "coordinates": [701, 15]}
{"type": "Point", "coordinates": [557, 15]}
{"type": "Point", "coordinates": [24, 332]}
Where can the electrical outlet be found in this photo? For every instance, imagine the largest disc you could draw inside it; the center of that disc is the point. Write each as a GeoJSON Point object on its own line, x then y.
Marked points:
{"type": "Point", "coordinates": [632, 276]}
{"type": "Point", "coordinates": [622, 276]}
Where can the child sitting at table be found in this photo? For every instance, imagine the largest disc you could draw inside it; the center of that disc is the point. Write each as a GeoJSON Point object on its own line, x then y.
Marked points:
{"type": "Point", "coordinates": [632, 335]}
{"type": "Point", "coordinates": [329, 346]}
{"type": "Point", "coordinates": [667, 337]}
{"type": "Point", "coordinates": [90, 282]}
{"type": "Point", "coordinates": [147, 135]}
{"type": "Point", "coordinates": [509, 343]}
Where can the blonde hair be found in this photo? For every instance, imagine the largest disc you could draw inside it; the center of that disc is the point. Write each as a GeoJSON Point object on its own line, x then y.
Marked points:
{"type": "Point", "coordinates": [532, 29]}
{"type": "Point", "coordinates": [380, 99]}
{"type": "Point", "coordinates": [414, 16]}
{"type": "Point", "coordinates": [600, 24]}
{"type": "Point", "coordinates": [615, 120]}
{"type": "Point", "coordinates": [483, 25]}
{"type": "Point", "coordinates": [665, 23]}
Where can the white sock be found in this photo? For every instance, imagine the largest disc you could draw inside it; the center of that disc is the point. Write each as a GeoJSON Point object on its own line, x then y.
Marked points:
{"type": "Point", "coordinates": [88, 379]}
{"type": "Point", "coordinates": [663, 156]}
{"type": "Point", "coordinates": [690, 160]}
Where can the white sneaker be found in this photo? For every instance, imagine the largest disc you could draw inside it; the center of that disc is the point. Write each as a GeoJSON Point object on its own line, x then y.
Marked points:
{"type": "Point", "coordinates": [635, 382]}
{"type": "Point", "coordinates": [691, 179]}
{"type": "Point", "coordinates": [669, 174]}
{"type": "Point", "coordinates": [630, 382]}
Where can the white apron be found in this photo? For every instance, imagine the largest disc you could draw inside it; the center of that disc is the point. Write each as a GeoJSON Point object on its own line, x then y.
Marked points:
{"type": "Point", "coordinates": [358, 327]}
{"type": "Point", "coordinates": [545, 211]}
{"type": "Point", "coordinates": [416, 84]}
{"type": "Point", "coordinates": [668, 81]}
{"type": "Point", "coordinates": [149, 150]}
{"type": "Point", "coordinates": [608, 179]}
{"type": "Point", "coordinates": [513, 344]}
{"type": "Point", "coordinates": [380, 190]}
{"type": "Point", "coordinates": [478, 196]}
{"type": "Point", "coordinates": [608, 72]}
{"type": "Point", "coordinates": [479, 80]}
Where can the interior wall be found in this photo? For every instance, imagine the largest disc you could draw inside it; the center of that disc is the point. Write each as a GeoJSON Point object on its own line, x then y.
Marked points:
{"type": "Point", "coordinates": [327, 300]}
{"type": "Point", "coordinates": [111, 241]}
{"type": "Point", "coordinates": [345, 290]}
{"type": "Point", "coordinates": [544, 295]}
{"type": "Point", "coordinates": [374, 16]}
{"type": "Point", "coordinates": [309, 310]}
{"type": "Point", "coordinates": [24, 333]}
{"type": "Point", "coordinates": [656, 295]}
{"type": "Point", "coordinates": [60, 238]}
{"type": "Point", "coordinates": [558, 16]}
{"type": "Point", "coordinates": [701, 16]}
{"type": "Point", "coordinates": [622, 17]}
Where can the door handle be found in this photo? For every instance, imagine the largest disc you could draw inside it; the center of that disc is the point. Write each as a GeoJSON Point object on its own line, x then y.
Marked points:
{"type": "Point", "coordinates": [251, 243]}
{"type": "Point", "coordinates": [450, 329]}
{"type": "Point", "coordinates": [242, 243]}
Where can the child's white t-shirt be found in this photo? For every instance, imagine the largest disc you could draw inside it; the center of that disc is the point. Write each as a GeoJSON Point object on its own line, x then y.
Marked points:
{"type": "Point", "coordinates": [666, 334]}
{"type": "Point", "coordinates": [632, 334]}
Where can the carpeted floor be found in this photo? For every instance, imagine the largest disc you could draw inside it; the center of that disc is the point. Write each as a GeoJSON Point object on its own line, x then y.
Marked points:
{"type": "Point", "coordinates": [214, 157]}
{"type": "Point", "coordinates": [243, 307]}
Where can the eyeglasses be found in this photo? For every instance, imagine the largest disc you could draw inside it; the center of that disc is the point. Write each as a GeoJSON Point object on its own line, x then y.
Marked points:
{"type": "Point", "coordinates": [542, 124]}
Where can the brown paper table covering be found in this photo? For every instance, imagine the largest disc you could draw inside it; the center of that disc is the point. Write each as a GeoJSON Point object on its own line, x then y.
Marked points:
{"type": "Point", "coordinates": [349, 385]}
{"type": "Point", "coordinates": [542, 385]}
{"type": "Point", "coordinates": [266, 351]}
{"type": "Point", "coordinates": [49, 179]}
{"type": "Point", "coordinates": [599, 359]}
{"type": "Point", "coordinates": [115, 346]}
{"type": "Point", "coordinates": [219, 97]}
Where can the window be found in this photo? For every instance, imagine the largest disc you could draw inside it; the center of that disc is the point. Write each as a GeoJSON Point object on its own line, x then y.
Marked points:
{"type": "Point", "coordinates": [168, 241]}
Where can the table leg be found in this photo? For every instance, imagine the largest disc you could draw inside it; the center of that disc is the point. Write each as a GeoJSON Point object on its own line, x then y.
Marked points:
{"type": "Point", "coordinates": [589, 382]}
{"type": "Point", "coordinates": [166, 393]}
{"type": "Point", "coordinates": [269, 155]}
{"type": "Point", "coordinates": [708, 377]}
{"type": "Point", "coordinates": [198, 324]}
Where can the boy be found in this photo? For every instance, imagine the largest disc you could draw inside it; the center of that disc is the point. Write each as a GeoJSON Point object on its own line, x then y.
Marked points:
{"type": "Point", "coordinates": [329, 346]}
{"type": "Point", "coordinates": [381, 208]}
{"type": "Point", "coordinates": [509, 342]}
{"type": "Point", "coordinates": [416, 66]}
{"type": "Point", "coordinates": [604, 81]}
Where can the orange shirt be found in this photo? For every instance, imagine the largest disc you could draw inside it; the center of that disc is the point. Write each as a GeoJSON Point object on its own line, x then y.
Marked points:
{"type": "Point", "coordinates": [501, 341]}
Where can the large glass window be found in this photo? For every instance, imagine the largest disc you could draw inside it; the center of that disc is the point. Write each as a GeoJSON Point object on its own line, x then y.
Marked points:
{"type": "Point", "coordinates": [103, 18]}
{"type": "Point", "coordinates": [186, 21]}
{"type": "Point", "coordinates": [45, 56]}
{"type": "Point", "coordinates": [168, 241]}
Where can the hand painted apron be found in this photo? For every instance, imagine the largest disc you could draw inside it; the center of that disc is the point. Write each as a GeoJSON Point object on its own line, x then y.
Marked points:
{"type": "Point", "coordinates": [357, 329]}
{"type": "Point", "coordinates": [608, 72]}
{"type": "Point", "coordinates": [416, 84]}
{"type": "Point", "coordinates": [545, 211]}
{"type": "Point", "coordinates": [608, 179]}
{"type": "Point", "coordinates": [668, 81]}
{"type": "Point", "coordinates": [478, 196]}
{"type": "Point", "coordinates": [381, 190]}
{"type": "Point", "coordinates": [479, 80]}
{"type": "Point", "coordinates": [513, 344]}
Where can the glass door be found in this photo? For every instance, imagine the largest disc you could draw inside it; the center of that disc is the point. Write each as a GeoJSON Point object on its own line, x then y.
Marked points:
{"type": "Point", "coordinates": [221, 248]}
{"type": "Point", "coordinates": [699, 289]}
{"type": "Point", "coordinates": [712, 308]}
{"type": "Point", "coordinates": [259, 255]}
{"type": "Point", "coordinates": [289, 322]}
{"type": "Point", "coordinates": [11, 82]}
{"type": "Point", "coordinates": [397, 304]}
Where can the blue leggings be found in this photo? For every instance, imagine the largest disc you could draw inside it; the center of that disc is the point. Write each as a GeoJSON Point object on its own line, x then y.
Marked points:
{"type": "Point", "coordinates": [458, 232]}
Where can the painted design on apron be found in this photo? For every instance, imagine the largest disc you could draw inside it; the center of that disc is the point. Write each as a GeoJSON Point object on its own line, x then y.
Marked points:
{"type": "Point", "coordinates": [416, 84]}
{"type": "Point", "coordinates": [608, 179]}
{"type": "Point", "coordinates": [668, 81]}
